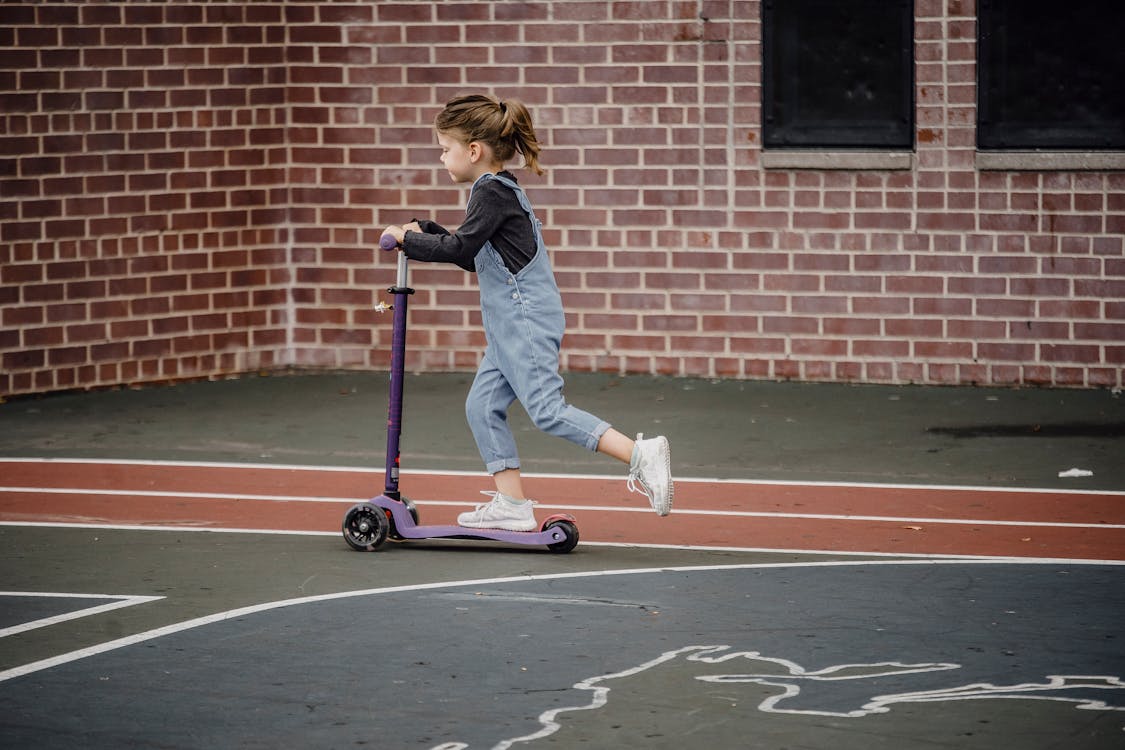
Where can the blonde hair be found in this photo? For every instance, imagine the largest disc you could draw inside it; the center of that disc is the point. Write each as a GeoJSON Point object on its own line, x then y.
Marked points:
{"type": "Point", "coordinates": [505, 126]}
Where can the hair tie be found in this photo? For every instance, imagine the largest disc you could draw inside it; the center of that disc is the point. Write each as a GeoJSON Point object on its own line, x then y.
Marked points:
{"type": "Point", "coordinates": [503, 107]}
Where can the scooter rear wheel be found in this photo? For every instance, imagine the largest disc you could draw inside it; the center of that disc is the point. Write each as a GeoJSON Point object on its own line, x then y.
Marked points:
{"type": "Point", "coordinates": [571, 540]}
{"type": "Point", "coordinates": [365, 527]}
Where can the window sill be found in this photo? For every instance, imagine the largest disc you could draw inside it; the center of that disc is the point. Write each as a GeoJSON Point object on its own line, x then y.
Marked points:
{"type": "Point", "coordinates": [838, 160]}
{"type": "Point", "coordinates": [1048, 161]}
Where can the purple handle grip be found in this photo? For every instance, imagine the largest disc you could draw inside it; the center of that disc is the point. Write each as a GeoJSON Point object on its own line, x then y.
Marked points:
{"type": "Point", "coordinates": [388, 242]}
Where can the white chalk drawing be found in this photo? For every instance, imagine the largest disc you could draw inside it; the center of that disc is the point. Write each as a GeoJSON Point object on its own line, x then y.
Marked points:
{"type": "Point", "coordinates": [789, 678]}
{"type": "Point", "coordinates": [1054, 688]}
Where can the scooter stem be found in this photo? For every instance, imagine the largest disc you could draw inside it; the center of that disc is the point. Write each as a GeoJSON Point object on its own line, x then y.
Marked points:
{"type": "Point", "coordinates": [401, 293]}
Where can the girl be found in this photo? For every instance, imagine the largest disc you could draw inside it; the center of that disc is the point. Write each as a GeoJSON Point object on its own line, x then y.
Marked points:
{"type": "Point", "coordinates": [521, 310]}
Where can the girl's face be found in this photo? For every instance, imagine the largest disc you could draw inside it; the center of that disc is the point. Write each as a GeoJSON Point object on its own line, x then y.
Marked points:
{"type": "Point", "coordinates": [458, 158]}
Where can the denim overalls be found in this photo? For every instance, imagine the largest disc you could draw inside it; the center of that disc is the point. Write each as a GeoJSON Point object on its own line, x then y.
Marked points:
{"type": "Point", "coordinates": [523, 324]}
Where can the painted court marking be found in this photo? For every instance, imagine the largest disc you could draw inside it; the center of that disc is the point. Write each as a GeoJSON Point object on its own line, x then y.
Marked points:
{"type": "Point", "coordinates": [197, 622]}
{"type": "Point", "coordinates": [117, 602]}
{"type": "Point", "coordinates": [787, 678]}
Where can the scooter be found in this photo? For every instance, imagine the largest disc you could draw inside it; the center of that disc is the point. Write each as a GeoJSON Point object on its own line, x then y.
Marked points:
{"type": "Point", "coordinates": [367, 526]}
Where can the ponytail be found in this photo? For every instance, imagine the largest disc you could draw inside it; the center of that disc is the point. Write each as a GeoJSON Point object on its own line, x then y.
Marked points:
{"type": "Point", "coordinates": [504, 125]}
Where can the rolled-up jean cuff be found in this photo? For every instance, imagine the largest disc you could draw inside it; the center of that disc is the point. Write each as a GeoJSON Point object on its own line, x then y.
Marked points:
{"type": "Point", "coordinates": [495, 467]}
{"type": "Point", "coordinates": [596, 435]}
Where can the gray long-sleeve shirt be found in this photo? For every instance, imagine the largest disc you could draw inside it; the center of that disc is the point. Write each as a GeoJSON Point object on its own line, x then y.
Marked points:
{"type": "Point", "coordinates": [493, 214]}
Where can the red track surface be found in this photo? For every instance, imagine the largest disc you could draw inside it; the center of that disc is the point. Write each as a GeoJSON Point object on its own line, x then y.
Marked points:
{"type": "Point", "coordinates": [731, 514]}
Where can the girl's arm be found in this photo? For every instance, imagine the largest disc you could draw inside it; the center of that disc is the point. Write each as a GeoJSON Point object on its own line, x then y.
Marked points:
{"type": "Point", "coordinates": [427, 226]}
{"type": "Point", "coordinates": [483, 216]}
{"type": "Point", "coordinates": [438, 247]}
{"type": "Point", "coordinates": [416, 225]}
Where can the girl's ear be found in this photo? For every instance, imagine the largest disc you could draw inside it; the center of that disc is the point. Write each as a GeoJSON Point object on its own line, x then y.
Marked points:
{"type": "Point", "coordinates": [476, 151]}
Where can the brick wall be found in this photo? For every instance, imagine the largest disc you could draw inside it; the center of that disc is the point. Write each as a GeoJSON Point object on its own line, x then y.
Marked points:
{"type": "Point", "coordinates": [196, 189]}
{"type": "Point", "coordinates": [144, 194]}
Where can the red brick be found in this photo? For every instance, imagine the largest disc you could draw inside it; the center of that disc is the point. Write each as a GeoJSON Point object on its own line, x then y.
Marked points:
{"type": "Point", "coordinates": [1112, 332]}
{"type": "Point", "coordinates": [1068, 353]}
{"type": "Point", "coordinates": [70, 355]}
{"type": "Point", "coordinates": [37, 338]}
{"type": "Point", "coordinates": [1042, 287]}
{"type": "Point", "coordinates": [22, 360]}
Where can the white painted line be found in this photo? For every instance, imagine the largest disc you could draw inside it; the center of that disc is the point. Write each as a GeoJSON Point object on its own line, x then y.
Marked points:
{"type": "Point", "coordinates": [183, 495]}
{"type": "Point", "coordinates": [157, 527]}
{"type": "Point", "coordinates": [133, 640]}
{"type": "Point", "coordinates": [534, 475]}
{"type": "Point", "coordinates": [807, 516]}
{"type": "Point", "coordinates": [585, 543]}
{"type": "Point", "coordinates": [856, 553]}
{"type": "Point", "coordinates": [119, 602]}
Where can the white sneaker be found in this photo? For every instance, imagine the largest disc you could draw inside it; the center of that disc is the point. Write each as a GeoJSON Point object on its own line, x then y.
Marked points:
{"type": "Point", "coordinates": [502, 513]}
{"type": "Point", "coordinates": [650, 472]}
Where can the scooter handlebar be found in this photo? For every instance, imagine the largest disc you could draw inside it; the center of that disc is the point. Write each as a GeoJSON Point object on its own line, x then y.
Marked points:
{"type": "Point", "coordinates": [388, 242]}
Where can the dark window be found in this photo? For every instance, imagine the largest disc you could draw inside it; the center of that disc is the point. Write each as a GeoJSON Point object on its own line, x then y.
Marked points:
{"type": "Point", "coordinates": [838, 74]}
{"type": "Point", "coordinates": [1051, 74]}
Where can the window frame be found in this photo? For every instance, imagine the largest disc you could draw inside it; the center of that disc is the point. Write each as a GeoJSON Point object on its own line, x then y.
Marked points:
{"type": "Point", "coordinates": [994, 135]}
{"type": "Point", "coordinates": [832, 137]}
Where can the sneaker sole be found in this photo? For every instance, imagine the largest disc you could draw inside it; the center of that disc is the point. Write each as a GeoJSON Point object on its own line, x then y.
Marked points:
{"type": "Point", "coordinates": [666, 452]}
{"type": "Point", "coordinates": [500, 526]}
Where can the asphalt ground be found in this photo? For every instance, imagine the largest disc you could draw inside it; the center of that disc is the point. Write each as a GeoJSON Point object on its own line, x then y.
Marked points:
{"type": "Point", "coordinates": [193, 633]}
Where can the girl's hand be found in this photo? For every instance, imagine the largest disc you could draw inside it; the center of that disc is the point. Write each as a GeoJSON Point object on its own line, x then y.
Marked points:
{"type": "Point", "coordinates": [412, 227]}
{"type": "Point", "coordinates": [397, 232]}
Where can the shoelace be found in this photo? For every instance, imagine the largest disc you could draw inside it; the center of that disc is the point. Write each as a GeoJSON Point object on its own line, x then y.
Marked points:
{"type": "Point", "coordinates": [636, 484]}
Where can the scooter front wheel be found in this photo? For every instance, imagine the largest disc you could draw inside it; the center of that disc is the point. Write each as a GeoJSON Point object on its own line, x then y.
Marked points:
{"type": "Point", "coordinates": [365, 527]}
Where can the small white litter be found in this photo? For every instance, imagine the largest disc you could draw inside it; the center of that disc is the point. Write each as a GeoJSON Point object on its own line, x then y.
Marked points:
{"type": "Point", "coordinates": [1071, 473]}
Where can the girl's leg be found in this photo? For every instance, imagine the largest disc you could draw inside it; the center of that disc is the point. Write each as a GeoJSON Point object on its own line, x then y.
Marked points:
{"type": "Point", "coordinates": [508, 510]}
{"type": "Point", "coordinates": [486, 409]}
{"type": "Point", "coordinates": [613, 443]}
{"type": "Point", "coordinates": [650, 471]}
{"type": "Point", "coordinates": [649, 461]}
{"type": "Point", "coordinates": [508, 483]}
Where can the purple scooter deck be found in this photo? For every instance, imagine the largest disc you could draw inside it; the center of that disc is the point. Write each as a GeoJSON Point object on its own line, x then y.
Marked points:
{"type": "Point", "coordinates": [406, 528]}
